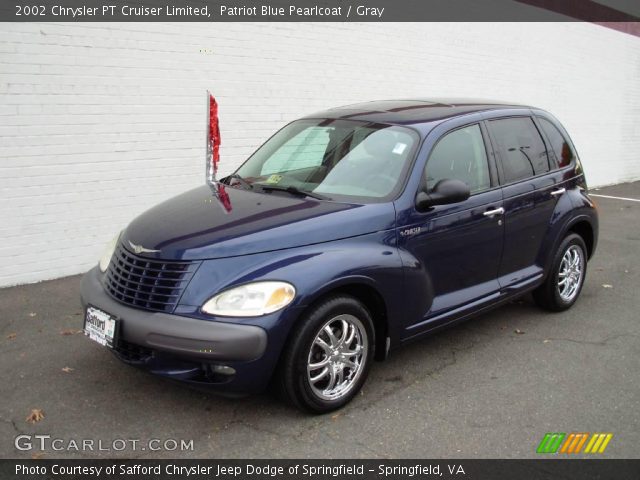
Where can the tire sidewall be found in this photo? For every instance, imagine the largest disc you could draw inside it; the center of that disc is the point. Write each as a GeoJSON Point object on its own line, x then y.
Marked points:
{"type": "Point", "coordinates": [569, 241]}
{"type": "Point", "coordinates": [304, 341]}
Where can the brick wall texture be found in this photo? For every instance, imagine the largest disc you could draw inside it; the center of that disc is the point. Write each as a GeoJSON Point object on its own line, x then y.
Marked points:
{"type": "Point", "coordinates": [100, 121]}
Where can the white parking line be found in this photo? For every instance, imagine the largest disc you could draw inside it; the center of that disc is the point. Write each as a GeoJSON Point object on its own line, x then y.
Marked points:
{"type": "Point", "coordinates": [615, 198]}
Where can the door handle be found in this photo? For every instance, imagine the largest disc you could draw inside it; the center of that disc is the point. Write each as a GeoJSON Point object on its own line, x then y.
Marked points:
{"type": "Point", "coordinates": [559, 191]}
{"type": "Point", "coordinates": [496, 211]}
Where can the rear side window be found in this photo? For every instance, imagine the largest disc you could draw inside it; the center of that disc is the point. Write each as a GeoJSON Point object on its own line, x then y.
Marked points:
{"type": "Point", "coordinates": [559, 145]}
{"type": "Point", "coordinates": [460, 155]}
{"type": "Point", "coordinates": [520, 147]}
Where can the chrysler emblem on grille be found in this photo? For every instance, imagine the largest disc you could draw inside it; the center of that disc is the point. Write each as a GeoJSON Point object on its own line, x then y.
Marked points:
{"type": "Point", "coordinates": [140, 249]}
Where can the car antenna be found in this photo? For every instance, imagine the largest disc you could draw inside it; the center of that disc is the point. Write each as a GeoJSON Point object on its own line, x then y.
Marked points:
{"type": "Point", "coordinates": [213, 154]}
{"type": "Point", "coordinates": [213, 140]}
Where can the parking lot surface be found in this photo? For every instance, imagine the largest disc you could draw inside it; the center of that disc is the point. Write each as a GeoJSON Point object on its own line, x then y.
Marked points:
{"type": "Point", "coordinates": [488, 388]}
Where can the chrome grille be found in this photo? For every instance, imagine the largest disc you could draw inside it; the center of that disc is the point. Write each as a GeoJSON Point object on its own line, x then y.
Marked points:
{"type": "Point", "coordinates": [147, 283]}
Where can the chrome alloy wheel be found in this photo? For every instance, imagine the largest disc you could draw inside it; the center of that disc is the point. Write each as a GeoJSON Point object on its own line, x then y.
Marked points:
{"type": "Point", "coordinates": [336, 357]}
{"type": "Point", "coordinates": [570, 273]}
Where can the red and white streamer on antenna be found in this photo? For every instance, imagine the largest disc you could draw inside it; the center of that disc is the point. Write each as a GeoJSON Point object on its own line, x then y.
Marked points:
{"type": "Point", "coordinates": [213, 139]}
{"type": "Point", "coordinates": [213, 153]}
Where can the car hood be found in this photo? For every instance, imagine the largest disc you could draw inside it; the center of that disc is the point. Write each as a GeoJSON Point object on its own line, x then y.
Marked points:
{"type": "Point", "coordinates": [202, 224]}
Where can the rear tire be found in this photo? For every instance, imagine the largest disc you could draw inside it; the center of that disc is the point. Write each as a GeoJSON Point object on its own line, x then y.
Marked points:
{"type": "Point", "coordinates": [328, 356]}
{"type": "Point", "coordinates": [564, 282]}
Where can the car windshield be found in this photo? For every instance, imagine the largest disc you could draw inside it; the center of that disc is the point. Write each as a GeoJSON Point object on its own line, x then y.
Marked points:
{"type": "Point", "coordinates": [337, 159]}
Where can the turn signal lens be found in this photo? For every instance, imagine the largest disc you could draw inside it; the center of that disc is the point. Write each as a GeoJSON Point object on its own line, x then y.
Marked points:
{"type": "Point", "coordinates": [108, 253]}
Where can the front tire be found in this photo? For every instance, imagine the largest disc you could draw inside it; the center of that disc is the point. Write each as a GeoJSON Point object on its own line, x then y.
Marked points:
{"type": "Point", "coordinates": [328, 356]}
{"type": "Point", "coordinates": [564, 282]}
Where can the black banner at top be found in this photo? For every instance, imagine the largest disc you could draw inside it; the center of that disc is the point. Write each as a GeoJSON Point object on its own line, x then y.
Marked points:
{"type": "Point", "coordinates": [308, 10]}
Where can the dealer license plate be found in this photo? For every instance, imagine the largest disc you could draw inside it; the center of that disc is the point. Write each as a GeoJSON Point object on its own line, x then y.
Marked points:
{"type": "Point", "coordinates": [100, 326]}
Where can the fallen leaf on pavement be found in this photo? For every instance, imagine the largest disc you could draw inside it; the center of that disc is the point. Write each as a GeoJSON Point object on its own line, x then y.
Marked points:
{"type": "Point", "coordinates": [546, 340]}
{"type": "Point", "coordinates": [11, 336]}
{"type": "Point", "coordinates": [67, 369]}
{"type": "Point", "coordinates": [37, 455]}
{"type": "Point", "coordinates": [518, 331]}
{"type": "Point", "coordinates": [606, 285]}
{"type": "Point", "coordinates": [32, 314]}
{"type": "Point", "coordinates": [35, 416]}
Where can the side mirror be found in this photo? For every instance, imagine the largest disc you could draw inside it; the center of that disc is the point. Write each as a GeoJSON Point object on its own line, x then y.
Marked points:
{"type": "Point", "coordinates": [446, 191]}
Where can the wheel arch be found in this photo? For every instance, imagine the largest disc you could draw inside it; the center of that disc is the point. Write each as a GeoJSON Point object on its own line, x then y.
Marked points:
{"type": "Point", "coordinates": [364, 290]}
{"type": "Point", "coordinates": [583, 228]}
{"type": "Point", "coordinates": [581, 224]}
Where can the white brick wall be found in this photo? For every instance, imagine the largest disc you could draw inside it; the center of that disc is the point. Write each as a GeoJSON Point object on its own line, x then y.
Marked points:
{"type": "Point", "coordinates": [98, 122]}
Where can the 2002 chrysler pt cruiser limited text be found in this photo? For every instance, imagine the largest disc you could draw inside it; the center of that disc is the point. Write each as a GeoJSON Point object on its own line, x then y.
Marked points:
{"type": "Point", "coordinates": [347, 234]}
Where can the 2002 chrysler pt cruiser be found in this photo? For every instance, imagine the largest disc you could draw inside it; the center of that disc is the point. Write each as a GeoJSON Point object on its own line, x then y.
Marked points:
{"type": "Point", "coordinates": [347, 234]}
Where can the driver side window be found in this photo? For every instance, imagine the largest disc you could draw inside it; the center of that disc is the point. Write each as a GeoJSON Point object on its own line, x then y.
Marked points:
{"type": "Point", "coordinates": [460, 155]}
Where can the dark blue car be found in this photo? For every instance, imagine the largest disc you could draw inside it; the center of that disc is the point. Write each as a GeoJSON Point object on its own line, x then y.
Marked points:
{"type": "Point", "coordinates": [347, 234]}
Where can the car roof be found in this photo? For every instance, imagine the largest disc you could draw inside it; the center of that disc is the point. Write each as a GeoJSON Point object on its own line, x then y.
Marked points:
{"type": "Point", "coordinates": [413, 111]}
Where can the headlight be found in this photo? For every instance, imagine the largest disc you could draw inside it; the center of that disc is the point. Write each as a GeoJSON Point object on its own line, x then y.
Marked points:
{"type": "Point", "coordinates": [108, 253]}
{"type": "Point", "coordinates": [251, 300]}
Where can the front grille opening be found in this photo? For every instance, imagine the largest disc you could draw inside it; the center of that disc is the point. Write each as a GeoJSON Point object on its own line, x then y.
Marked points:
{"type": "Point", "coordinates": [132, 353]}
{"type": "Point", "coordinates": [148, 284]}
{"type": "Point", "coordinates": [167, 365]}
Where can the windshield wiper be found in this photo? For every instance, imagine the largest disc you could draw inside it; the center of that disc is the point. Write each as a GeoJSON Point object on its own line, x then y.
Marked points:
{"type": "Point", "coordinates": [293, 190]}
{"type": "Point", "coordinates": [235, 176]}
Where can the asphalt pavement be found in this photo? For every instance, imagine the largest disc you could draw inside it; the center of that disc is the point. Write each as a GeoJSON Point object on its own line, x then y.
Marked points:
{"type": "Point", "coordinates": [488, 388]}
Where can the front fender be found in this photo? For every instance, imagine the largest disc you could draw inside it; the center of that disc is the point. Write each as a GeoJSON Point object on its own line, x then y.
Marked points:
{"type": "Point", "coordinates": [315, 270]}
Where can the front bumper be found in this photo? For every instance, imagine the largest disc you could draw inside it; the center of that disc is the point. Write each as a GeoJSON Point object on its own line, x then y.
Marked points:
{"type": "Point", "coordinates": [184, 348]}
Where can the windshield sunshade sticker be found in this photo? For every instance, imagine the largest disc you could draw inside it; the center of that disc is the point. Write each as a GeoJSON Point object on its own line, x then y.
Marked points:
{"type": "Point", "coordinates": [273, 179]}
{"type": "Point", "coordinates": [399, 148]}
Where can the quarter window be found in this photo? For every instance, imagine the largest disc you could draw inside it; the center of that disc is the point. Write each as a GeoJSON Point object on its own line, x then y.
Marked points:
{"type": "Point", "coordinates": [460, 155]}
{"type": "Point", "coordinates": [559, 145]}
{"type": "Point", "coordinates": [520, 147]}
